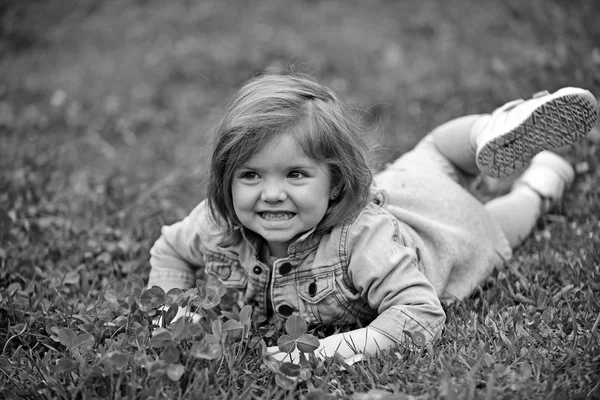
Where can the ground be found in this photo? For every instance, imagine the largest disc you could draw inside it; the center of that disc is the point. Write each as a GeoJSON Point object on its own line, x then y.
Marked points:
{"type": "Point", "coordinates": [106, 112]}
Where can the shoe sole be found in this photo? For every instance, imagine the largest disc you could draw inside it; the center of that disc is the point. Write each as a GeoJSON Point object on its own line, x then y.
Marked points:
{"type": "Point", "coordinates": [556, 123]}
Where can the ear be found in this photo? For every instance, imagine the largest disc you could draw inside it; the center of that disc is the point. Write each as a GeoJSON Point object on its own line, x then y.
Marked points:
{"type": "Point", "coordinates": [335, 193]}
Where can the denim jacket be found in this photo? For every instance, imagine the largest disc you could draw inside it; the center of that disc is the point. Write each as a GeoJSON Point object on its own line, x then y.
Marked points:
{"type": "Point", "coordinates": [366, 271]}
{"type": "Point", "coordinates": [427, 238]}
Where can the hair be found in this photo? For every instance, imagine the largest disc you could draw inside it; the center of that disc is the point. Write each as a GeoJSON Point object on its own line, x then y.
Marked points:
{"type": "Point", "coordinates": [322, 125]}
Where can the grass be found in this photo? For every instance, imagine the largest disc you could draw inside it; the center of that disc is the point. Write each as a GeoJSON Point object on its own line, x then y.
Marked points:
{"type": "Point", "coordinates": [106, 108]}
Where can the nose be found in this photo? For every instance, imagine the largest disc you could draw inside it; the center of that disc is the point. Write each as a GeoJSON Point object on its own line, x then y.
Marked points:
{"type": "Point", "coordinates": [273, 191]}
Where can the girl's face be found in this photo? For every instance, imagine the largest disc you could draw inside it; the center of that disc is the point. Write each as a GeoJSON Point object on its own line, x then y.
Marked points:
{"type": "Point", "coordinates": [280, 193]}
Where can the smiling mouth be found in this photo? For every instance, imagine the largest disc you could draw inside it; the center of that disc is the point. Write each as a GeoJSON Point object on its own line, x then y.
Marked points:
{"type": "Point", "coordinates": [276, 216]}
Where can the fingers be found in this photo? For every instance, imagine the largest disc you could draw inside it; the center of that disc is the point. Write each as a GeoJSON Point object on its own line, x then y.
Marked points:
{"type": "Point", "coordinates": [181, 313]}
{"type": "Point", "coordinates": [196, 317]}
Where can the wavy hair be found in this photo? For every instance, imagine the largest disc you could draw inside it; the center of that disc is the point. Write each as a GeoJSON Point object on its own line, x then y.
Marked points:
{"type": "Point", "coordinates": [322, 125]}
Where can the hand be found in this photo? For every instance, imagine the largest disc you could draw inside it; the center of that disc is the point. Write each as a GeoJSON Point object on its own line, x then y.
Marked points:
{"type": "Point", "coordinates": [293, 357]}
{"type": "Point", "coordinates": [348, 346]}
{"type": "Point", "coordinates": [181, 313]}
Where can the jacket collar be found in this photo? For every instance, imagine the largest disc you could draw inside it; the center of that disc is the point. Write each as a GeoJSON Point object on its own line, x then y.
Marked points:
{"type": "Point", "coordinates": [305, 243]}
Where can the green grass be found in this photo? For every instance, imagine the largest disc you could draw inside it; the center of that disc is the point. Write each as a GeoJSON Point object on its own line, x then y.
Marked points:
{"type": "Point", "coordinates": [106, 109]}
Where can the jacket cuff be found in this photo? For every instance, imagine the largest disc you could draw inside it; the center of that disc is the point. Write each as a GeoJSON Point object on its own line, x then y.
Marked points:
{"type": "Point", "coordinates": [400, 325]}
{"type": "Point", "coordinates": [169, 279]}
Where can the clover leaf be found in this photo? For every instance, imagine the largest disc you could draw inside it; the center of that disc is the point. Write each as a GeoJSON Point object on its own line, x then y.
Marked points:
{"type": "Point", "coordinates": [297, 337]}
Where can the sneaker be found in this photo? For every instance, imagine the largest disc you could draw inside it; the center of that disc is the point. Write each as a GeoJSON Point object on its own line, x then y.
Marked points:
{"type": "Point", "coordinates": [549, 175]}
{"type": "Point", "coordinates": [513, 134]}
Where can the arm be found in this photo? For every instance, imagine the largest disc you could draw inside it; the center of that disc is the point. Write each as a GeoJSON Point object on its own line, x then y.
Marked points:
{"type": "Point", "coordinates": [410, 314]}
{"type": "Point", "coordinates": [386, 274]}
{"type": "Point", "coordinates": [347, 344]}
{"type": "Point", "coordinates": [176, 255]}
{"type": "Point", "coordinates": [384, 267]}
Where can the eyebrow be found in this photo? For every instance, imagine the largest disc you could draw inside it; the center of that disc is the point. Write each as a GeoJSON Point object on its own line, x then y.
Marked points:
{"type": "Point", "coordinates": [293, 167]}
{"type": "Point", "coordinates": [297, 166]}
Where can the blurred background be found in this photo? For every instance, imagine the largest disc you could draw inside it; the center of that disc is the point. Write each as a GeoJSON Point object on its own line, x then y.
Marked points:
{"type": "Point", "coordinates": [107, 107]}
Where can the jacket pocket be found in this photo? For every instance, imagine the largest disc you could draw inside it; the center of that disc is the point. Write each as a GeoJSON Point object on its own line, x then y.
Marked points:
{"type": "Point", "coordinates": [229, 272]}
{"type": "Point", "coordinates": [325, 303]}
{"type": "Point", "coordinates": [315, 289]}
{"type": "Point", "coordinates": [322, 301]}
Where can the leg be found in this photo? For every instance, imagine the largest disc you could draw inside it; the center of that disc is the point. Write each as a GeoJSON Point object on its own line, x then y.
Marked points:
{"type": "Point", "coordinates": [503, 143]}
{"type": "Point", "coordinates": [517, 213]}
{"type": "Point", "coordinates": [453, 140]}
{"type": "Point", "coordinates": [540, 187]}
{"type": "Point", "coordinates": [513, 134]}
{"type": "Point", "coordinates": [448, 150]}
{"type": "Point", "coordinates": [425, 157]}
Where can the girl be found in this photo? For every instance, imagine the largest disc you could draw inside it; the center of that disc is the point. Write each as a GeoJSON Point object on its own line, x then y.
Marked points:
{"type": "Point", "coordinates": [295, 223]}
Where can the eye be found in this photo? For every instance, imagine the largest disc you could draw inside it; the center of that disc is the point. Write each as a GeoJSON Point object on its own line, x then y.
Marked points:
{"type": "Point", "coordinates": [248, 175]}
{"type": "Point", "coordinates": [297, 174]}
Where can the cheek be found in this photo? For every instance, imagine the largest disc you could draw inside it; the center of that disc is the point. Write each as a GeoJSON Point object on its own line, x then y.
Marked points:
{"type": "Point", "coordinates": [235, 197]}
{"type": "Point", "coordinates": [318, 200]}
{"type": "Point", "coordinates": [240, 197]}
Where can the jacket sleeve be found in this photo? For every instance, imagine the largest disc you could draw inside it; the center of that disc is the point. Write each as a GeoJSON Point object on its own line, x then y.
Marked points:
{"type": "Point", "coordinates": [176, 255]}
{"type": "Point", "coordinates": [386, 274]}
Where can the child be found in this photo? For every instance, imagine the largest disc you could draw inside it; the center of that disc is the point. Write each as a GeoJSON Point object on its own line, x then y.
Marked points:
{"type": "Point", "coordinates": [294, 221]}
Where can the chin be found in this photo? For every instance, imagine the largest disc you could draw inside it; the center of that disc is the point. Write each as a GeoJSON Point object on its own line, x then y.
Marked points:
{"type": "Point", "coordinates": [278, 238]}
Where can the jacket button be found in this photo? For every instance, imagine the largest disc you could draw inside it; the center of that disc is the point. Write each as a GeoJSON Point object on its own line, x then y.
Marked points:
{"type": "Point", "coordinates": [225, 272]}
{"type": "Point", "coordinates": [418, 339]}
{"type": "Point", "coordinates": [312, 289]}
{"type": "Point", "coordinates": [285, 268]}
{"type": "Point", "coordinates": [285, 310]}
{"type": "Point", "coordinates": [257, 270]}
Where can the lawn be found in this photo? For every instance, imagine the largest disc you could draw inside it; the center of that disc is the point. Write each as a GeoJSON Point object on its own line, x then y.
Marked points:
{"type": "Point", "coordinates": [106, 112]}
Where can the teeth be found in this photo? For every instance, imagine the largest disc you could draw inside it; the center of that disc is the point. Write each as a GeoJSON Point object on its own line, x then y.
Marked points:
{"type": "Point", "coordinates": [277, 216]}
